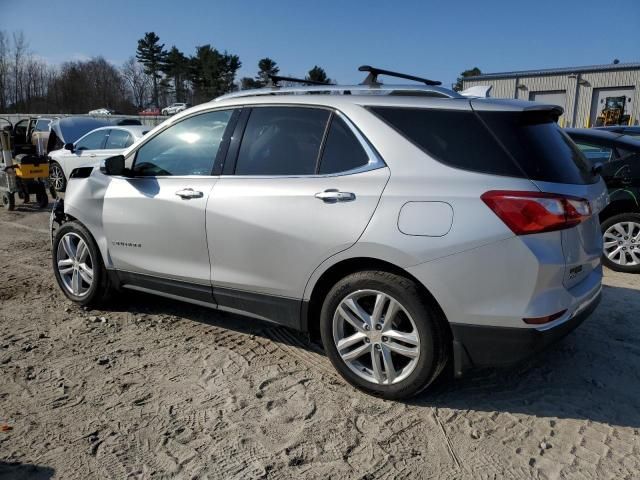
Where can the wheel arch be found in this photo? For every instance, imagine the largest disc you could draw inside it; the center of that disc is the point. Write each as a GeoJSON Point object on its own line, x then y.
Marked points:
{"type": "Point", "coordinates": [628, 204]}
{"type": "Point", "coordinates": [328, 278]}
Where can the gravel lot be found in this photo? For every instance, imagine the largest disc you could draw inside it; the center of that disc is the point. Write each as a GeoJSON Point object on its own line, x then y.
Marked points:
{"type": "Point", "coordinates": [156, 389]}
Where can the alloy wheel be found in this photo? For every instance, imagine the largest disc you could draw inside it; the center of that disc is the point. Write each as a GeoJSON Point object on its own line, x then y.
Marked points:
{"type": "Point", "coordinates": [56, 177]}
{"type": "Point", "coordinates": [622, 243]}
{"type": "Point", "coordinates": [75, 265]}
{"type": "Point", "coordinates": [376, 337]}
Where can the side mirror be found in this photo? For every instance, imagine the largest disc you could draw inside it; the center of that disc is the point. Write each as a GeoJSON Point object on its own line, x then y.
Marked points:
{"type": "Point", "coordinates": [113, 166]}
{"type": "Point", "coordinates": [597, 168]}
{"type": "Point", "coordinates": [69, 146]}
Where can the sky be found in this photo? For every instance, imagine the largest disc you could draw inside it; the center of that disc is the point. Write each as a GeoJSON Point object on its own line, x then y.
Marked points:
{"type": "Point", "coordinates": [437, 40]}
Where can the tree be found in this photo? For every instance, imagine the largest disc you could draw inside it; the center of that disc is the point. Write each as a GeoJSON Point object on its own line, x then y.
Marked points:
{"type": "Point", "coordinates": [151, 54]}
{"type": "Point", "coordinates": [212, 73]}
{"type": "Point", "coordinates": [467, 73]}
{"type": "Point", "coordinates": [139, 82]}
{"type": "Point", "coordinates": [317, 74]}
{"type": "Point", "coordinates": [176, 66]}
{"type": "Point", "coordinates": [266, 67]}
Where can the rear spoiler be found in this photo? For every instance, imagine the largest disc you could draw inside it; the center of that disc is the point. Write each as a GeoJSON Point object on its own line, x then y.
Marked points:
{"type": "Point", "coordinates": [479, 91]}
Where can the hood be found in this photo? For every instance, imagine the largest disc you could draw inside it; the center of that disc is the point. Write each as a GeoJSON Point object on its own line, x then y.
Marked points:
{"type": "Point", "coordinates": [70, 129]}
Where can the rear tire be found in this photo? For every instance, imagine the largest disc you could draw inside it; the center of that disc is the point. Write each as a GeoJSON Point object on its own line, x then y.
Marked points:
{"type": "Point", "coordinates": [78, 266]}
{"type": "Point", "coordinates": [402, 353]}
{"type": "Point", "coordinates": [621, 237]}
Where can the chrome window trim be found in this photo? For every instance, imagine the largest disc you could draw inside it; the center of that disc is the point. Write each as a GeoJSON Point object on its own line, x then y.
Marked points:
{"type": "Point", "coordinates": [375, 160]}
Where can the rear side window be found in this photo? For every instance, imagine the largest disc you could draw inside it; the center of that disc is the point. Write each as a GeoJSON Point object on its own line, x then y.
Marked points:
{"type": "Point", "coordinates": [342, 150]}
{"type": "Point", "coordinates": [514, 144]}
{"type": "Point", "coordinates": [282, 141]}
{"type": "Point", "coordinates": [456, 138]}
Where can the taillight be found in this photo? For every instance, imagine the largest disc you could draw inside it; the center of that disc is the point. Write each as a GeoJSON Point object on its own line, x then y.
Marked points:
{"type": "Point", "coordinates": [535, 212]}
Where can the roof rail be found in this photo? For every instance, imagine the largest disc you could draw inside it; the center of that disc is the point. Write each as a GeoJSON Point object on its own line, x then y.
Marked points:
{"type": "Point", "coordinates": [416, 90]}
{"type": "Point", "coordinates": [275, 79]}
{"type": "Point", "coordinates": [372, 78]}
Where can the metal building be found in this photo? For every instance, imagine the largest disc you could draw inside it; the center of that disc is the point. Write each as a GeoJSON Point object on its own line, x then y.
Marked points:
{"type": "Point", "coordinates": [591, 96]}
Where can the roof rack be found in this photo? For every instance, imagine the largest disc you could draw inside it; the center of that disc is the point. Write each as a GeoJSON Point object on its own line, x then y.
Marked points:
{"type": "Point", "coordinates": [372, 78]}
{"type": "Point", "coordinates": [275, 79]}
{"type": "Point", "coordinates": [417, 90]}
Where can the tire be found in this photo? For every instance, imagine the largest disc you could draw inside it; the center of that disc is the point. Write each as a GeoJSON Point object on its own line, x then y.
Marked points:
{"type": "Point", "coordinates": [9, 201]}
{"type": "Point", "coordinates": [56, 177]}
{"type": "Point", "coordinates": [88, 293]}
{"type": "Point", "coordinates": [423, 357]}
{"type": "Point", "coordinates": [617, 245]}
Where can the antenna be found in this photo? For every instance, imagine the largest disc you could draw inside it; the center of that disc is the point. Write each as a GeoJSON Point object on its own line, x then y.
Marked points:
{"type": "Point", "coordinates": [275, 79]}
{"type": "Point", "coordinates": [372, 77]}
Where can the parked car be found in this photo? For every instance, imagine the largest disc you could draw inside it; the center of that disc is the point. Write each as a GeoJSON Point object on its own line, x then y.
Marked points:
{"type": "Point", "coordinates": [406, 229]}
{"type": "Point", "coordinates": [101, 112]}
{"type": "Point", "coordinates": [619, 157]}
{"type": "Point", "coordinates": [633, 131]}
{"type": "Point", "coordinates": [90, 150]}
{"type": "Point", "coordinates": [30, 135]}
{"type": "Point", "coordinates": [174, 108]}
{"type": "Point", "coordinates": [150, 111]}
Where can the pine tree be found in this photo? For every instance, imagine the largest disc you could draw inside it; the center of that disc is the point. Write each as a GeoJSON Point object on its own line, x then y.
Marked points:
{"type": "Point", "coordinates": [151, 54]}
{"type": "Point", "coordinates": [317, 74]}
{"type": "Point", "coordinates": [266, 67]}
{"type": "Point", "coordinates": [176, 66]}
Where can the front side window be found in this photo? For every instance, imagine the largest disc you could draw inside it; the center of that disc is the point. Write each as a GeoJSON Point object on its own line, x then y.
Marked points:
{"type": "Point", "coordinates": [93, 141]}
{"type": "Point", "coordinates": [282, 141]}
{"type": "Point", "coordinates": [186, 148]}
{"type": "Point", "coordinates": [118, 139]}
{"type": "Point", "coordinates": [595, 153]}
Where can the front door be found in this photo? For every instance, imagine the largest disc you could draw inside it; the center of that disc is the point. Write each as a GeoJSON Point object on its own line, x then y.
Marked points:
{"type": "Point", "coordinates": [304, 187]}
{"type": "Point", "coordinates": [154, 218]}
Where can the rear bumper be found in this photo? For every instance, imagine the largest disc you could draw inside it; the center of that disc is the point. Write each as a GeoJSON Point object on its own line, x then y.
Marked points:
{"type": "Point", "coordinates": [486, 346]}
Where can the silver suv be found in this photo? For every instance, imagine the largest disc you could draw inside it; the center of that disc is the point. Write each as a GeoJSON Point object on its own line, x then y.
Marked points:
{"type": "Point", "coordinates": [408, 227]}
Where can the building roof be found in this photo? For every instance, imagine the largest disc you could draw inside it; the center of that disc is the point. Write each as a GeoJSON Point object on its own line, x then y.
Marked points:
{"type": "Point", "coordinates": [557, 71]}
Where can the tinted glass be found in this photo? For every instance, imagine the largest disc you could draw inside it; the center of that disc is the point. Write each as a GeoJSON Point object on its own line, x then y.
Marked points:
{"type": "Point", "coordinates": [93, 141]}
{"type": "Point", "coordinates": [540, 146]}
{"type": "Point", "coordinates": [457, 138]}
{"type": "Point", "coordinates": [186, 148]}
{"type": "Point", "coordinates": [534, 146]}
{"type": "Point", "coordinates": [119, 139]}
{"type": "Point", "coordinates": [342, 150]}
{"type": "Point", "coordinates": [595, 153]}
{"type": "Point", "coordinates": [281, 141]}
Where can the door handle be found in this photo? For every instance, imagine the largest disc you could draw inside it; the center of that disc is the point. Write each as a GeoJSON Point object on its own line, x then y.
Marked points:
{"type": "Point", "coordinates": [92, 155]}
{"type": "Point", "coordinates": [187, 193]}
{"type": "Point", "coordinates": [333, 195]}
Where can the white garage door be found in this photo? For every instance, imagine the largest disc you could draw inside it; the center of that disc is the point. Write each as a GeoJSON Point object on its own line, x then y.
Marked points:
{"type": "Point", "coordinates": [558, 97]}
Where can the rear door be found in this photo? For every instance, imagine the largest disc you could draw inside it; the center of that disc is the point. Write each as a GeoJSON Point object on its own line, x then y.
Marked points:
{"type": "Point", "coordinates": [300, 187]}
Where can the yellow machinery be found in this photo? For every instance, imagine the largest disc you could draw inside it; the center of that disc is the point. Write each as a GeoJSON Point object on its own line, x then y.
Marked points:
{"type": "Point", "coordinates": [613, 112]}
{"type": "Point", "coordinates": [24, 175]}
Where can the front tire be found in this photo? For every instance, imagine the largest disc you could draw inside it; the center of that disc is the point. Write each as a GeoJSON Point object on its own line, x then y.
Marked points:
{"type": "Point", "coordinates": [382, 335]}
{"type": "Point", "coordinates": [9, 201]}
{"type": "Point", "coordinates": [78, 267]}
{"type": "Point", "coordinates": [56, 177]}
{"type": "Point", "coordinates": [621, 237]}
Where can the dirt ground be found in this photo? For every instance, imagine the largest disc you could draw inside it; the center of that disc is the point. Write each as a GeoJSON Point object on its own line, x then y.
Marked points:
{"type": "Point", "coordinates": [152, 388]}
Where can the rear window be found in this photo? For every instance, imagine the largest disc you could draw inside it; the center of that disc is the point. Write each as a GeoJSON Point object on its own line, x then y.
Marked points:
{"type": "Point", "coordinates": [461, 139]}
{"type": "Point", "coordinates": [540, 146]}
